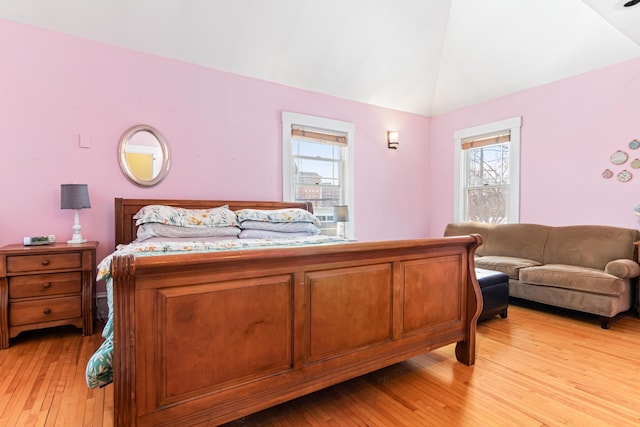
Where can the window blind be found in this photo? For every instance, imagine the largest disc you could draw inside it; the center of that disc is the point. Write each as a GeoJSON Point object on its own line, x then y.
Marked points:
{"type": "Point", "coordinates": [487, 139]}
{"type": "Point", "coordinates": [318, 135]}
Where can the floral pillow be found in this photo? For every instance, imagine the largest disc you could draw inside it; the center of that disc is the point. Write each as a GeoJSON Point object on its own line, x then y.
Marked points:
{"type": "Point", "coordinates": [215, 217]}
{"type": "Point", "coordinates": [277, 215]}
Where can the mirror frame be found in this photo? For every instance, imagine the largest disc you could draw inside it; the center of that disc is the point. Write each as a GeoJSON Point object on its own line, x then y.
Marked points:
{"type": "Point", "coordinates": [122, 156]}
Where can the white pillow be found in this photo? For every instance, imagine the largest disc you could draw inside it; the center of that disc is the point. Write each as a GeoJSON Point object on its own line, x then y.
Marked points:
{"type": "Point", "coordinates": [289, 227]}
{"type": "Point", "coordinates": [154, 229]}
{"type": "Point", "coordinates": [266, 234]}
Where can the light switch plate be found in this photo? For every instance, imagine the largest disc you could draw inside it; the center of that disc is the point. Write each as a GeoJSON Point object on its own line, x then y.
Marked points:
{"type": "Point", "coordinates": [84, 141]}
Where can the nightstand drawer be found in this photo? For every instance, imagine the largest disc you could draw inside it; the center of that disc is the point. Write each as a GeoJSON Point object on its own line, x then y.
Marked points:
{"type": "Point", "coordinates": [43, 262]}
{"type": "Point", "coordinates": [41, 285]}
{"type": "Point", "coordinates": [44, 310]}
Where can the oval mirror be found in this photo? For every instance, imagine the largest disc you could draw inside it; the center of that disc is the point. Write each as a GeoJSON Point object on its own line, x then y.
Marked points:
{"type": "Point", "coordinates": [144, 155]}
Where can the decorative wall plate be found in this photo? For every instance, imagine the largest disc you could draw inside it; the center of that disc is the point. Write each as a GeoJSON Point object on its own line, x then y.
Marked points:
{"type": "Point", "coordinates": [607, 173]}
{"type": "Point", "coordinates": [634, 145]}
{"type": "Point", "coordinates": [635, 163]}
{"type": "Point", "coordinates": [624, 176]}
{"type": "Point", "coordinates": [619, 157]}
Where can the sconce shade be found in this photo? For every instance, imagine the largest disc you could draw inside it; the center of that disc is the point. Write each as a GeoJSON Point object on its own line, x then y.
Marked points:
{"type": "Point", "coordinates": [341, 213]}
{"type": "Point", "coordinates": [74, 196]}
{"type": "Point", "coordinates": [392, 138]}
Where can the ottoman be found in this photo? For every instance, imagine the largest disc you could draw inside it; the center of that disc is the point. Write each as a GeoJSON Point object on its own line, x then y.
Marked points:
{"type": "Point", "coordinates": [495, 293]}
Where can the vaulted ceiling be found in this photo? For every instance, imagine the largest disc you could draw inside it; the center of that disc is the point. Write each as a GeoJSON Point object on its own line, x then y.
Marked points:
{"type": "Point", "coordinates": [421, 56]}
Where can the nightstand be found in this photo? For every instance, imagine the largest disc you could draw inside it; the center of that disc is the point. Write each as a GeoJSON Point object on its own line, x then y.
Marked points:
{"type": "Point", "coordinates": [46, 286]}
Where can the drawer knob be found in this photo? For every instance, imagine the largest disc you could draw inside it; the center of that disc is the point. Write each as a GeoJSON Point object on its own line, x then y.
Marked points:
{"type": "Point", "coordinates": [46, 311]}
{"type": "Point", "coordinates": [46, 285]}
{"type": "Point", "coordinates": [44, 262]}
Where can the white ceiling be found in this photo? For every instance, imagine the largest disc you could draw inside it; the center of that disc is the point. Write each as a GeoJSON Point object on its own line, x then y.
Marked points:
{"type": "Point", "coordinates": [421, 56]}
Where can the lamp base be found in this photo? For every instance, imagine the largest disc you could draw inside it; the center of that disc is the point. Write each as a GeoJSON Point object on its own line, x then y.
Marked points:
{"type": "Point", "coordinates": [77, 235]}
{"type": "Point", "coordinates": [76, 241]}
{"type": "Point", "coordinates": [342, 230]}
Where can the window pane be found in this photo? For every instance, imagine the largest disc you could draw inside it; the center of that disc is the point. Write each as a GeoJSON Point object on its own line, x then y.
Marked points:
{"type": "Point", "coordinates": [487, 204]}
{"type": "Point", "coordinates": [316, 172]}
{"type": "Point", "coordinates": [488, 165]}
{"type": "Point", "coordinates": [318, 178]}
{"type": "Point", "coordinates": [487, 183]}
{"type": "Point", "coordinates": [302, 147]}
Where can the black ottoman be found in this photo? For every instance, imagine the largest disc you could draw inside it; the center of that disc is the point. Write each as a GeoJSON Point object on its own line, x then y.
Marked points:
{"type": "Point", "coordinates": [495, 293]}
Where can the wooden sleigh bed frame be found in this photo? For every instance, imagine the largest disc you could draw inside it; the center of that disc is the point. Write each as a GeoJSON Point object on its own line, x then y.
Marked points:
{"type": "Point", "coordinates": [211, 337]}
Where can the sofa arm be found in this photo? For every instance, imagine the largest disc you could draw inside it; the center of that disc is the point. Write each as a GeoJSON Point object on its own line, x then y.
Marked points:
{"type": "Point", "coordinates": [623, 268]}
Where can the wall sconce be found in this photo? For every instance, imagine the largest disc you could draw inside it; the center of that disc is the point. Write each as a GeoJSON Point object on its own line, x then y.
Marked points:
{"type": "Point", "coordinates": [392, 139]}
{"type": "Point", "coordinates": [75, 196]}
{"type": "Point", "coordinates": [341, 217]}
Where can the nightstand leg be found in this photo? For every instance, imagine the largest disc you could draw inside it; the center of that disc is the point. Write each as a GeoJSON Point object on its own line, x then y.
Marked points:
{"type": "Point", "coordinates": [4, 313]}
{"type": "Point", "coordinates": [88, 302]}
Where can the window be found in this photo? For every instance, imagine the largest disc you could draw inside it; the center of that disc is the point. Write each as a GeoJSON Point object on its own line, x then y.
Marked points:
{"type": "Point", "coordinates": [487, 182]}
{"type": "Point", "coordinates": [317, 160]}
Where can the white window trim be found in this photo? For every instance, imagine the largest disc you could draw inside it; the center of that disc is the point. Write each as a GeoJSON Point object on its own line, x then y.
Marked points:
{"type": "Point", "coordinates": [514, 124]}
{"type": "Point", "coordinates": [349, 129]}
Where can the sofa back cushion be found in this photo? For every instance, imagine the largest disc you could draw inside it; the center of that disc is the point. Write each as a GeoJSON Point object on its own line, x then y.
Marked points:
{"type": "Point", "coordinates": [518, 240]}
{"type": "Point", "coordinates": [590, 246]}
{"type": "Point", "coordinates": [464, 228]}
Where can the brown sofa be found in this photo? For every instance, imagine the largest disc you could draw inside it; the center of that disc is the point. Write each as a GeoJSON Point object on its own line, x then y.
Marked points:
{"type": "Point", "coordinates": [587, 268]}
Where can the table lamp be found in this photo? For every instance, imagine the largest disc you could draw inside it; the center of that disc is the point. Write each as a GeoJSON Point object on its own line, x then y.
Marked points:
{"type": "Point", "coordinates": [341, 215]}
{"type": "Point", "coordinates": [75, 196]}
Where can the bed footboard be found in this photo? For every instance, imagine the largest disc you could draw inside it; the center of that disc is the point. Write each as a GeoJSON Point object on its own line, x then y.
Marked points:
{"type": "Point", "coordinates": [216, 336]}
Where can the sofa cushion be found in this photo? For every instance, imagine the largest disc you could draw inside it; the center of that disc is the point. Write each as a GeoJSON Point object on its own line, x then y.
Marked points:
{"type": "Point", "coordinates": [590, 246]}
{"type": "Point", "coordinates": [464, 228]}
{"type": "Point", "coordinates": [518, 240]}
{"type": "Point", "coordinates": [572, 277]}
{"type": "Point", "coordinates": [509, 265]}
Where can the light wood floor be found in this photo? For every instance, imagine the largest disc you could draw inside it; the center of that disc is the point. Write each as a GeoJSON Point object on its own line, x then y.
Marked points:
{"type": "Point", "coordinates": [535, 368]}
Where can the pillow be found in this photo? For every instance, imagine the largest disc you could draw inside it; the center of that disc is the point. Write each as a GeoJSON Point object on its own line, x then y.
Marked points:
{"type": "Point", "coordinates": [154, 229]}
{"type": "Point", "coordinates": [188, 240]}
{"type": "Point", "coordinates": [266, 234]}
{"type": "Point", "coordinates": [277, 215]}
{"type": "Point", "coordinates": [289, 227]}
{"type": "Point", "coordinates": [214, 217]}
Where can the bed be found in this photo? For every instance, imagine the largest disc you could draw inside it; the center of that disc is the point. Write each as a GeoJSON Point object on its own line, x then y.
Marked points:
{"type": "Point", "coordinates": [208, 337]}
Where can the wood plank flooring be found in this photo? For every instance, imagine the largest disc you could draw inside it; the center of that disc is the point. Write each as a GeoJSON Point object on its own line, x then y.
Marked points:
{"type": "Point", "coordinates": [536, 368]}
{"type": "Point", "coordinates": [42, 381]}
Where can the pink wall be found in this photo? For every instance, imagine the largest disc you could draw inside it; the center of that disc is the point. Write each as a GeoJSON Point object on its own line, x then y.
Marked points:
{"type": "Point", "coordinates": [224, 131]}
{"type": "Point", "coordinates": [569, 130]}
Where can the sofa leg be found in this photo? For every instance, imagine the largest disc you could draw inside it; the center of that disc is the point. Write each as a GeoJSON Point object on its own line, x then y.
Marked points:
{"type": "Point", "coordinates": [605, 322]}
{"type": "Point", "coordinates": [503, 313]}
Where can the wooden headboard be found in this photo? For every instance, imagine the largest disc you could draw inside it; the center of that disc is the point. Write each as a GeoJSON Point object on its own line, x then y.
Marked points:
{"type": "Point", "coordinates": [125, 209]}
